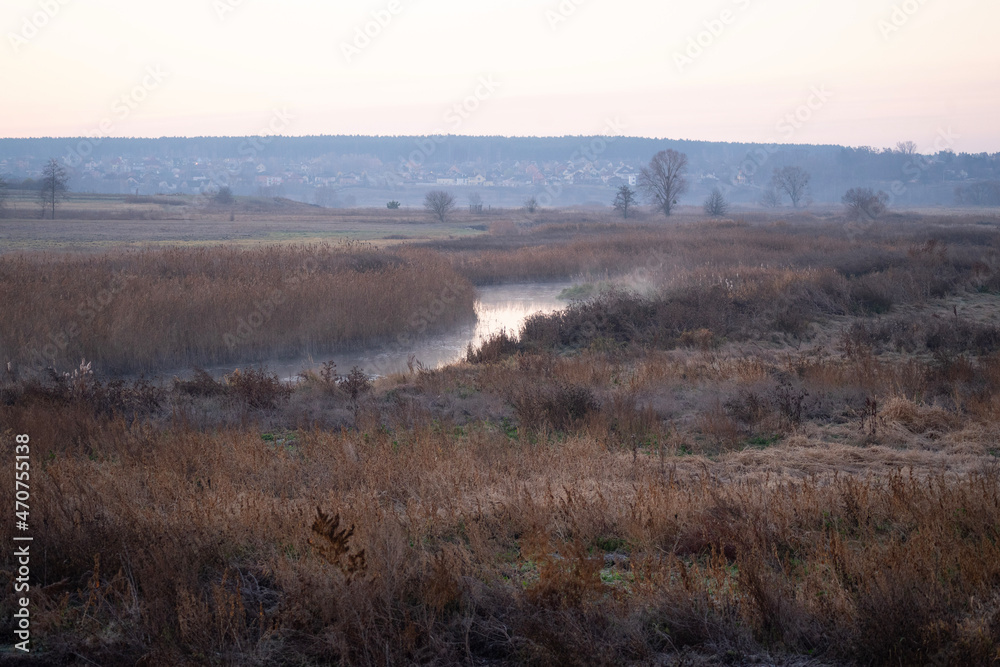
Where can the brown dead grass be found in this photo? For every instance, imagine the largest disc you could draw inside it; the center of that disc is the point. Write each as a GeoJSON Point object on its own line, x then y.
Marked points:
{"type": "Point", "coordinates": [780, 498]}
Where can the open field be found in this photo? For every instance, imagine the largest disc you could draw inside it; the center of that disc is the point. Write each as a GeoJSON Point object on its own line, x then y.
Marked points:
{"type": "Point", "coordinates": [771, 441]}
{"type": "Point", "coordinates": [94, 223]}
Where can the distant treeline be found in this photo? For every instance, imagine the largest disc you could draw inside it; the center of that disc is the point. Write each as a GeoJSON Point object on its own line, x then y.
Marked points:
{"type": "Point", "coordinates": [488, 149]}
{"type": "Point", "coordinates": [740, 168]}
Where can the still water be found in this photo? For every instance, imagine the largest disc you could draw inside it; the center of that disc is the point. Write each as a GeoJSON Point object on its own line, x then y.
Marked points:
{"type": "Point", "coordinates": [498, 307]}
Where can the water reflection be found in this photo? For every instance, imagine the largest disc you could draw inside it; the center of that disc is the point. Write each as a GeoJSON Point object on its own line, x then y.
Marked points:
{"type": "Point", "coordinates": [498, 307]}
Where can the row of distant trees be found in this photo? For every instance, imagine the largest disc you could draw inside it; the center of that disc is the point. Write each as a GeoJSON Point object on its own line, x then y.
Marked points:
{"type": "Point", "coordinates": [661, 183]}
{"type": "Point", "coordinates": [664, 180]}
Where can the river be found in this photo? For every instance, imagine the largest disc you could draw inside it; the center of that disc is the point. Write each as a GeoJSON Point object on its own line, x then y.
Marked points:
{"type": "Point", "coordinates": [497, 307]}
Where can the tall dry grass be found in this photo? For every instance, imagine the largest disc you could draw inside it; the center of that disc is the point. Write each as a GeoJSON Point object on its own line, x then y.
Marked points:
{"type": "Point", "coordinates": [445, 545]}
{"type": "Point", "coordinates": [656, 252]}
{"type": "Point", "coordinates": [155, 309]}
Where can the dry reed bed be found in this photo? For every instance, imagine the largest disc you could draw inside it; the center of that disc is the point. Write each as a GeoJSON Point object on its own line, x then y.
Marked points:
{"type": "Point", "coordinates": [148, 310]}
{"type": "Point", "coordinates": [557, 250]}
{"type": "Point", "coordinates": [199, 547]}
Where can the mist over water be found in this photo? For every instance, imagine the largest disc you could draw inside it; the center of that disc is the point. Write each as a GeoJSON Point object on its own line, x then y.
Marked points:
{"type": "Point", "coordinates": [498, 307]}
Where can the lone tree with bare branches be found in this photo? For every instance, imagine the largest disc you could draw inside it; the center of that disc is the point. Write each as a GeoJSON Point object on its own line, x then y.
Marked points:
{"type": "Point", "coordinates": [716, 204]}
{"type": "Point", "coordinates": [662, 182]}
{"type": "Point", "coordinates": [53, 186]}
{"type": "Point", "coordinates": [865, 203]}
{"type": "Point", "coordinates": [792, 181]}
{"type": "Point", "coordinates": [439, 204]}
{"type": "Point", "coordinates": [625, 200]}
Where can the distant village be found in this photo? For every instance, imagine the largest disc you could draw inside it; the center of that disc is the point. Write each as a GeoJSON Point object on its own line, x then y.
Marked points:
{"type": "Point", "coordinates": [370, 171]}
{"type": "Point", "coordinates": [319, 180]}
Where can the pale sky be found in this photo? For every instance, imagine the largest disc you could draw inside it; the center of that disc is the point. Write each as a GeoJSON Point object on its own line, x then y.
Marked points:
{"type": "Point", "coordinates": [874, 71]}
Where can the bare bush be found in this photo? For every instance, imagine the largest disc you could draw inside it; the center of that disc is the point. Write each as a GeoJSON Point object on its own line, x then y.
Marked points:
{"type": "Point", "coordinates": [864, 203]}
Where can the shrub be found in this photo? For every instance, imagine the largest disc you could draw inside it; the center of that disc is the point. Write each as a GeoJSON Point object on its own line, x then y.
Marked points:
{"type": "Point", "coordinates": [495, 348]}
{"type": "Point", "coordinates": [865, 203]}
{"type": "Point", "coordinates": [356, 384]}
{"type": "Point", "coordinates": [871, 295]}
{"type": "Point", "coordinates": [200, 384]}
{"type": "Point", "coordinates": [257, 388]}
{"type": "Point", "coordinates": [560, 406]}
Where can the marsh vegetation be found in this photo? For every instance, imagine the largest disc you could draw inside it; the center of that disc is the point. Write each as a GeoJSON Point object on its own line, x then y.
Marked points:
{"type": "Point", "coordinates": [764, 439]}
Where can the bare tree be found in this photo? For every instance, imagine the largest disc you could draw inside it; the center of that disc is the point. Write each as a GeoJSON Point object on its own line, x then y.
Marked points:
{"type": "Point", "coordinates": [625, 200]}
{"type": "Point", "coordinates": [663, 180]}
{"type": "Point", "coordinates": [475, 203]}
{"type": "Point", "coordinates": [865, 203]}
{"type": "Point", "coordinates": [439, 204]}
{"type": "Point", "coordinates": [531, 204]}
{"type": "Point", "coordinates": [906, 147]}
{"type": "Point", "coordinates": [792, 181]}
{"type": "Point", "coordinates": [716, 204]}
{"type": "Point", "coordinates": [53, 186]}
{"type": "Point", "coordinates": [770, 198]}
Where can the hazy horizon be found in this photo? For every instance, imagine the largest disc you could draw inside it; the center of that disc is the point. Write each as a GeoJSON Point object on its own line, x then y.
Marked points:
{"type": "Point", "coordinates": [738, 71]}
